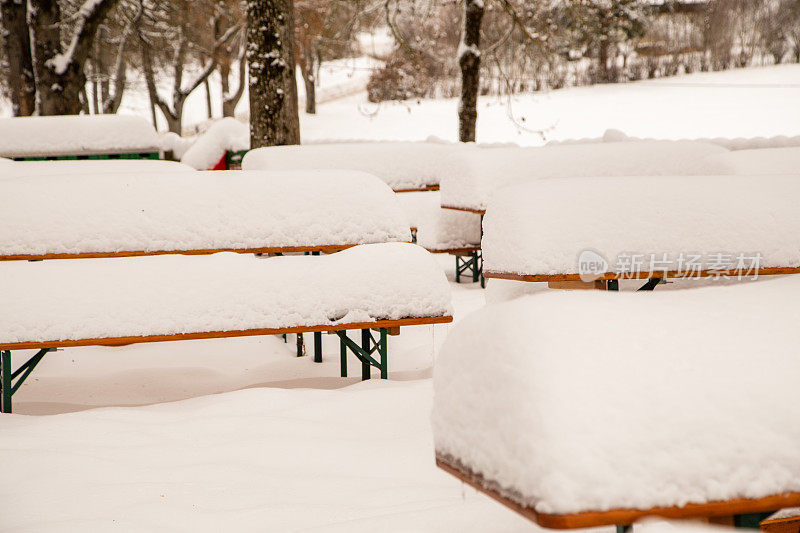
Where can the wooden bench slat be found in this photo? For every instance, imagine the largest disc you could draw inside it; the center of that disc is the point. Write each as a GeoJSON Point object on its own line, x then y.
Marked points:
{"type": "Point", "coordinates": [467, 209]}
{"type": "Point", "coordinates": [619, 516]}
{"type": "Point", "coordinates": [122, 341]}
{"type": "Point", "coordinates": [764, 271]}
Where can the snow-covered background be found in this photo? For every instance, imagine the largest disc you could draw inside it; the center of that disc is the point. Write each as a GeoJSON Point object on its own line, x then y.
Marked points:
{"type": "Point", "coordinates": [239, 434]}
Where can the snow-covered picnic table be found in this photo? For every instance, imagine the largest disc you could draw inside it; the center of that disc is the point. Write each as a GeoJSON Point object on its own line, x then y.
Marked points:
{"type": "Point", "coordinates": [195, 212]}
{"type": "Point", "coordinates": [100, 136]}
{"type": "Point", "coordinates": [483, 172]}
{"type": "Point", "coordinates": [643, 227]}
{"type": "Point", "coordinates": [93, 166]}
{"type": "Point", "coordinates": [404, 166]}
{"type": "Point", "coordinates": [587, 408]}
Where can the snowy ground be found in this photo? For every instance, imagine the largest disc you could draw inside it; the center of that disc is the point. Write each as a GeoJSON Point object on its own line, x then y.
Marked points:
{"type": "Point", "coordinates": [238, 434]}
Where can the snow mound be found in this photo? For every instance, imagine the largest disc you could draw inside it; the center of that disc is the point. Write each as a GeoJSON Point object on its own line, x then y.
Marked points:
{"type": "Point", "coordinates": [760, 161]}
{"type": "Point", "coordinates": [97, 298]}
{"type": "Point", "coordinates": [92, 166]}
{"type": "Point", "coordinates": [172, 142]}
{"type": "Point", "coordinates": [402, 165]}
{"type": "Point", "coordinates": [76, 135]}
{"type": "Point", "coordinates": [437, 228]}
{"type": "Point", "coordinates": [735, 143]}
{"type": "Point", "coordinates": [223, 136]}
{"type": "Point", "coordinates": [543, 227]}
{"type": "Point", "coordinates": [196, 211]}
{"type": "Point", "coordinates": [490, 170]}
{"type": "Point", "coordinates": [587, 400]}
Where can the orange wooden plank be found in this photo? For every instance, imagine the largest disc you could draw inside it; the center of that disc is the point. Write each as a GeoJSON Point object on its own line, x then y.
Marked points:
{"type": "Point", "coordinates": [790, 524]}
{"type": "Point", "coordinates": [122, 341]}
{"type": "Point", "coordinates": [771, 271]}
{"type": "Point", "coordinates": [467, 209]}
{"type": "Point", "coordinates": [619, 516]}
{"type": "Point", "coordinates": [467, 250]}
{"type": "Point", "coordinates": [141, 253]}
{"type": "Point", "coordinates": [419, 189]}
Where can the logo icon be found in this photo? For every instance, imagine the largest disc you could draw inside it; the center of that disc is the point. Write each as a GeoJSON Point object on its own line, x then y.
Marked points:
{"type": "Point", "coordinates": [591, 265]}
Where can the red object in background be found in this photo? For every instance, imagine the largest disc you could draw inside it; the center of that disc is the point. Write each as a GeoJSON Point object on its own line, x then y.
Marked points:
{"type": "Point", "coordinates": [222, 164]}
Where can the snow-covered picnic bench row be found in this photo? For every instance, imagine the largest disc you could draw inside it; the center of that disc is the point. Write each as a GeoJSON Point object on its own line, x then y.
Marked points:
{"type": "Point", "coordinates": [583, 409]}
{"type": "Point", "coordinates": [93, 166]}
{"type": "Point", "coordinates": [78, 137]}
{"type": "Point", "coordinates": [404, 166]}
{"type": "Point", "coordinates": [51, 304]}
{"type": "Point", "coordinates": [487, 171]}
{"type": "Point", "coordinates": [643, 227]}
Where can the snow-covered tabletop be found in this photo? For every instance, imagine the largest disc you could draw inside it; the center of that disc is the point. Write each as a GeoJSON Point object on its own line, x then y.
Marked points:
{"type": "Point", "coordinates": [760, 161]}
{"type": "Point", "coordinates": [588, 400]}
{"type": "Point", "coordinates": [114, 213]}
{"type": "Point", "coordinates": [402, 165]}
{"type": "Point", "coordinates": [165, 295]}
{"type": "Point", "coordinates": [76, 135]}
{"type": "Point", "coordinates": [482, 172]}
{"type": "Point", "coordinates": [90, 166]}
{"type": "Point", "coordinates": [544, 227]}
{"type": "Point", "coordinates": [440, 229]}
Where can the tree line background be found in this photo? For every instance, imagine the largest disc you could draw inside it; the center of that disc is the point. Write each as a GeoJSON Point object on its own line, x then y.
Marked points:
{"type": "Point", "coordinates": [79, 56]}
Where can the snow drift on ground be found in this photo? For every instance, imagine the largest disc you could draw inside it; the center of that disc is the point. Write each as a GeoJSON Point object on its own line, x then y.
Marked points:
{"type": "Point", "coordinates": [437, 228]}
{"type": "Point", "coordinates": [92, 166]}
{"type": "Point", "coordinates": [401, 165]}
{"type": "Point", "coordinates": [197, 211]}
{"type": "Point", "coordinates": [74, 135]}
{"type": "Point", "coordinates": [542, 227]}
{"type": "Point", "coordinates": [482, 172]}
{"type": "Point", "coordinates": [85, 299]}
{"type": "Point", "coordinates": [587, 400]}
{"type": "Point", "coordinates": [225, 135]}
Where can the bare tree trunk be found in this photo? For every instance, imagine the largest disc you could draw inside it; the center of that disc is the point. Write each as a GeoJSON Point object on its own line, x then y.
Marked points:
{"type": "Point", "coordinates": [470, 62]}
{"type": "Point", "coordinates": [274, 118]}
{"type": "Point", "coordinates": [16, 38]}
{"type": "Point", "coordinates": [60, 76]}
{"type": "Point", "coordinates": [309, 82]}
{"type": "Point", "coordinates": [209, 110]}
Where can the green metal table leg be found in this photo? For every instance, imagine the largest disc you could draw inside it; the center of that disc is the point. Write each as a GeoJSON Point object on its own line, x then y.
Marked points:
{"type": "Point", "coordinates": [624, 529]}
{"type": "Point", "coordinates": [458, 272]}
{"type": "Point", "coordinates": [612, 285]}
{"type": "Point", "coordinates": [475, 272]}
{"type": "Point", "coordinates": [366, 338]}
{"type": "Point", "coordinates": [5, 381]}
{"type": "Point", "coordinates": [343, 355]}
{"type": "Point", "coordinates": [300, 346]}
{"type": "Point", "coordinates": [383, 349]}
{"type": "Point", "coordinates": [317, 346]}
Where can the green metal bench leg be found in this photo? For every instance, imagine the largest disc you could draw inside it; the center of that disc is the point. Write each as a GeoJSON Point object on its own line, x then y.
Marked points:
{"type": "Point", "coordinates": [458, 272]}
{"type": "Point", "coordinates": [343, 354]}
{"type": "Point", "coordinates": [383, 349]}
{"type": "Point", "coordinates": [624, 529]}
{"type": "Point", "coordinates": [612, 285]}
{"type": "Point", "coordinates": [475, 267]}
{"type": "Point", "coordinates": [5, 381]}
{"type": "Point", "coordinates": [366, 338]}
{"type": "Point", "coordinates": [317, 346]}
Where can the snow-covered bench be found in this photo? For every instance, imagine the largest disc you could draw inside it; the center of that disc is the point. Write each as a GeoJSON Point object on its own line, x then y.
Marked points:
{"type": "Point", "coordinates": [583, 409]}
{"type": "Point", "coordinates": [94, 166]}
{"type": "Point", "coordinates": [586, 229]}
{"type": "Point", "coordinates": [784, 521]}
{"type": "Point", "coordinates": [112, 215]}
{"type": "Point", "coordinates": [78, 137]}
{"type": "Point", "coordinates": [444, 231]}
{"type": "Point", "coordinates": [113, 302]}
{"type": "Point", "coordinates": [221, 147]}
{"type": "Point", "coordinates": [404, 166]}
{"type": "Point", "coordinates": [485, 171]}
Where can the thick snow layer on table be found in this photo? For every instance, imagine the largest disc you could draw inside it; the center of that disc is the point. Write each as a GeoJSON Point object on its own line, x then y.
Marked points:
{"type": "Point", "coordinates": [760, 161]}
{"type": "Point", "coordinates": [542, 227]}
{"type": "Point", "coordinates": [738, 143]}
{"type": "Point", "coordinates": [490, 170]}
{"type": "Point", "coordinates": [60, 300]}
{"type": "Point", "coordinates": [437, 228]}
{"type": "Point", "coordinates": [196, 211]}
{"type": "Point", "coordinates": [224, 135]}
{"type": "Point", "coordinates": [403, 165]}
{"type": "Point", "coordinates": [91, 166]}
{"type": "Point", "coordinates": [587, 400]}
{"type": "Point", "coordinates": [76, 135]}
